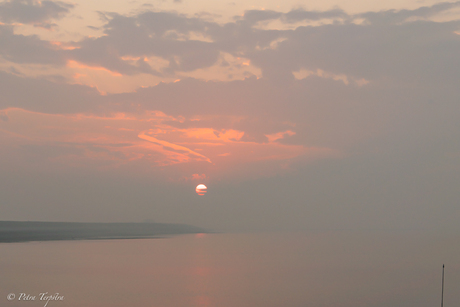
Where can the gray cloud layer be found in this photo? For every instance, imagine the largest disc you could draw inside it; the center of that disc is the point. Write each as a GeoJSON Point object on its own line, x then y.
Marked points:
{"type": "Point", "coordinates": [38, 13]}
{"type": "Point", "coordinates": [382, 46]}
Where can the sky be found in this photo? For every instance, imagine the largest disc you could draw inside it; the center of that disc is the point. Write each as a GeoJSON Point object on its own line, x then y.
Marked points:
{"type": "Point", "coordinates": [296, 115]}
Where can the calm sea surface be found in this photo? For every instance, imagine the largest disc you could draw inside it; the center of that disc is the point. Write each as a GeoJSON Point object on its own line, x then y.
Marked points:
{"type": "Point", "coordinates": [342, 269]}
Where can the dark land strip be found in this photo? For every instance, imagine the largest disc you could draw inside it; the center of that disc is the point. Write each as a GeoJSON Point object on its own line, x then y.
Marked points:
{"type": "Point", "coordinates": [12, 231]}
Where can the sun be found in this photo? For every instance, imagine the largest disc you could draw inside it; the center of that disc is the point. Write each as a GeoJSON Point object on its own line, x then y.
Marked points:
{"type": "Point", "coordinates": [201, 189]}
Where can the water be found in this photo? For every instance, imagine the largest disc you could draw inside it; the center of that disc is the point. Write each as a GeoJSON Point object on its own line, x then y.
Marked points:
{"type": "Point", "coordinates": [338, 269]}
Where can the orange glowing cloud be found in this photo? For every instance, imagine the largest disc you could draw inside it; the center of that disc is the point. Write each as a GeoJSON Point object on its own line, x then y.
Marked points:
{"type": "Point", "coordinates": [146, 140]}
{"type": "Point", "coordinates": [280, 135]}
{"type": "Point", "coordinates": [211, 134]}
{"type": "Point", "coordinates": [198, 176]}
{"type": "Point", "coordinates": [171, 146]}
{"type": "Point", "coordinates": [63, 46]}
{"type": "Point", "coordinates": [75, 64]}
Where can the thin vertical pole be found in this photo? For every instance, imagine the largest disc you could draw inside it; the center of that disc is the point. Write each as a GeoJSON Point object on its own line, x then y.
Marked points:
{"type": "Point", "coordinates": [442, 297]}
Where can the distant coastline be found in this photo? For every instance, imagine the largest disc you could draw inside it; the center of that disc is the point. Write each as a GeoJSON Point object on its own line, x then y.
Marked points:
{"type": "Point", "coordinates": [15, 231]}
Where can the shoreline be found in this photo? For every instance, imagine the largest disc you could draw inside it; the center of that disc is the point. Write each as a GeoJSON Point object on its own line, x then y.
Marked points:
{"type": "Point", "coordinates": [19, 231]}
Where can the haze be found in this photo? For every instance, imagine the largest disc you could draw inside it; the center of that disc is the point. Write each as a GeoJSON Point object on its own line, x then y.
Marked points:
{"type": "Point", "coordinates": [331, 115]}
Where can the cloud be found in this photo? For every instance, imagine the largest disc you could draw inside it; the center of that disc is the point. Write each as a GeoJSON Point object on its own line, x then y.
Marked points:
{"type": "Point", "coordinates": [3, 116]}
{"type": "Point", "coordinates": [168, 44]}
{"type": "Point", "coordinates": [320, 109]}
{"type": "Point", "coordinates": [38, 13]}
{"type": "Point", "coordinates": [61, 141]}
{"type": "Point", "coordinates": [46, 96]}
{"type": "Point", "coordinates": [301, 15]}
{"type": "Point", "coordinates": [22, 49]}
{"type": "Point", "coordinates": [159, 34]}
{"type": "Point", "coordinates": [366, 51]}
{"type": "Point", "coordinates": [173, 147]}
{"type": "Point", "coordinates": [369, 52]}
{"type": "Point", "coordinates": [395, 17]}
{"type": "Point", "coordinates": [254, 16]}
